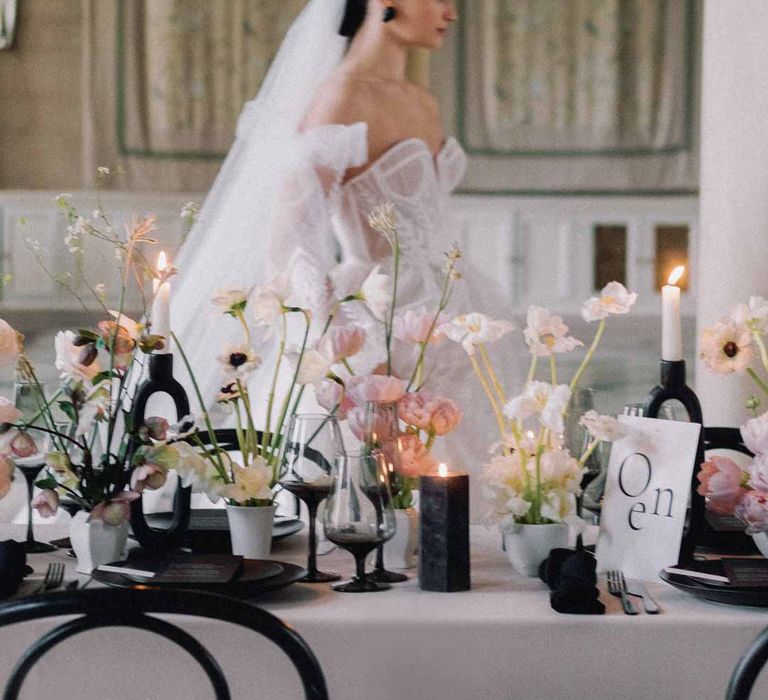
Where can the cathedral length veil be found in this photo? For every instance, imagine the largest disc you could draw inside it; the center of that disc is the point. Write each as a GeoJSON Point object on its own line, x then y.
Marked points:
{"type": "Point", "coordinates": [231, 243]}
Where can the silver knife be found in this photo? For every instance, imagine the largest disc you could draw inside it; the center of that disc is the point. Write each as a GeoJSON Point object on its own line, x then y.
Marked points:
{"type": "Point", "coordinates": [639, 590]}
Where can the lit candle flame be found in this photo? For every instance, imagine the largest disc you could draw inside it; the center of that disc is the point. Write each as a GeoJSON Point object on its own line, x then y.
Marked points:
{"type": "Point", "coordinates": [442, 470]}
{"type": "Point", "coordinates": [677, 273]}
{"type": "Point", "coordinates": [162, 261]}
{"type": "Point", "coordinates": [530, 435]}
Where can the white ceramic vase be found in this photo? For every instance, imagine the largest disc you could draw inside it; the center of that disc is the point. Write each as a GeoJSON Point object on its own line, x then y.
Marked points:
{"type": "Point", "coordinates": [250, 528]}
{"type": "Point", "coordinates": [400, 551]}
{"type": "Point", "coordinates": [761, 541]}
{"type": "Point", "coordinates": [529, 545]}
{"type": "Point", "coordinates": [96, 542]}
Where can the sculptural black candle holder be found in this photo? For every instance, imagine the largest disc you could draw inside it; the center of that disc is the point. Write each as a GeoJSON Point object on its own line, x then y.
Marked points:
{"type": "Point", "coordinates": [672, 387]}
{"type": "Point", "coordinates": [160, 381]}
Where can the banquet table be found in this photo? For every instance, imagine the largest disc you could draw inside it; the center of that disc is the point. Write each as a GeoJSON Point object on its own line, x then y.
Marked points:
{"type": "Point", "coordinates": [499, 640]}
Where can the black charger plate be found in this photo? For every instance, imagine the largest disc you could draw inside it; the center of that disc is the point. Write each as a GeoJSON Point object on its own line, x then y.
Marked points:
{"type": "Point", "coordinates": [716, 592]}
{"type": "Point", "coordinates": [250, 584]}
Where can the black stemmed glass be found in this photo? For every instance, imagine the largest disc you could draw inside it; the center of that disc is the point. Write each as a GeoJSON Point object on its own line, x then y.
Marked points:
{"type": "Point", "coordinates": [311, 444]}
{"type": "Point", "coordinates": [381, 431]}
{"type": "Point", "coordinates": [30, 471]}
{"type": "Point", "coordinates": [358, 514]}
{"type": "Point", "coordinates": [26, 397]}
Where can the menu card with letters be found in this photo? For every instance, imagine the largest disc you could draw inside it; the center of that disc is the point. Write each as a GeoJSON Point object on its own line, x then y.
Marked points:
{"type": "Point", "coordinates": [646, 496]}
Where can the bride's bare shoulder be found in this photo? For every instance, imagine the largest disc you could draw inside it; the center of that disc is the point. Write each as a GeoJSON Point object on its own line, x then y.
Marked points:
{"type": "Point", "coordinates": [338, 101]}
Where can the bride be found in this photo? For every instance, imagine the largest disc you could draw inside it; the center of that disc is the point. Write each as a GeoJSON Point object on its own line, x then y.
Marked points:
{"type": "Point", "coordinates": [337, 130]}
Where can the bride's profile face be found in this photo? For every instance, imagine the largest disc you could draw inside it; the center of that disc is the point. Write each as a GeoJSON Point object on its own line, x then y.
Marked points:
{"type": "Point", "coordinates": [423, 23]}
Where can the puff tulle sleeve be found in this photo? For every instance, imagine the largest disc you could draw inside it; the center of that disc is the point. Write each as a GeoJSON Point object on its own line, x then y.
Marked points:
{"type": "Point", "coordinates": [301, 225]}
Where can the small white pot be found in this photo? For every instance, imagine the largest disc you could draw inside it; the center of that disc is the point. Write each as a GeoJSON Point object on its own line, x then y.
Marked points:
{"type": "Point", "coordinates": [400, 551]}
{"type": "Point", "coordinates": [761, 541]}
{"type": "Point", "coordinates": [96, 542]}
{"type": "Point", "coordinates": [250, 528]}
{"type": "Point", "coordinates": [529, 545]}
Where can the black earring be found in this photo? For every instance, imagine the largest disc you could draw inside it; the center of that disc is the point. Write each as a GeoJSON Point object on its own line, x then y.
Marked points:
{"type": "Point", "coordinates": [389, 14]}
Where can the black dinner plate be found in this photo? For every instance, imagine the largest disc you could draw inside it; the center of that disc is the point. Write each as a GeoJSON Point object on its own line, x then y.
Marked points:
{"type": "Point", "coordinates": [250, 584]}
{"type": "Point", "coordinates": [714, 591]}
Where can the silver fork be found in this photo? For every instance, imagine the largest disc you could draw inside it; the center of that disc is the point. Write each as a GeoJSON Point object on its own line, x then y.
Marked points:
{"type": "Point", "coordinates": [618, 587]}
{"type": "Point", "coordinates": [54, 577]}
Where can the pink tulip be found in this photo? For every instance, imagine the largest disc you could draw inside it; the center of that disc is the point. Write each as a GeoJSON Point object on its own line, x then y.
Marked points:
{"type": "Point", "coordinates": [755, 434]}
{"type": "Point", "coordinates": [331, 395]}
{"type": "Point", "coordinates": [345, 341]}
{"type": "Point", "coordinates": [375, 387]}
{"type": "Point", "coordinates": [721, 483]}
{"type": "Point", "coordinates": [46, 503]}
{"type": "Point", "coordinates": [7, 468]}
{"type": "Point", "coordinates": [753, 510]}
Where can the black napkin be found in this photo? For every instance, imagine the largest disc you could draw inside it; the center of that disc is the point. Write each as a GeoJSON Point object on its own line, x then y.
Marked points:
{"type": "Point", "coordinates": [13, 567]}
{"type": "Point", "coordinates": [572, 578]}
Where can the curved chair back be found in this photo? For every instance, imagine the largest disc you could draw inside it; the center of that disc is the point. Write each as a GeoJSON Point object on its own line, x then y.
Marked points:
{"type": "Point", "coordinates": [110, 607]}
{"type": "Point", "coordinates": [747, 670]}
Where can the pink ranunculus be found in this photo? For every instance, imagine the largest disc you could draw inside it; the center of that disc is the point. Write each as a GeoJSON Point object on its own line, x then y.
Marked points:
{"type": "Point", "coordinates": [375, 387]}
{"type": "Point", "coordinates": [415, 458]}
{"type": "Point", "coordinates": [752, 509]}
{"type": "Point", "coordinates": [10, 347]}
{"type": "Point", "coordinates": [345, 341]}
{"type": "Point", "coordinates": [413, 326]}
{"type": "Point", "coordinates": [148, 476]}
{"type": "Point", "coordinates": [413, 409]}
{"type": "Point", "coordinates": [8, 412]}
{"type": "Point", "coordinates": [23, 445]}
{"type": "Point", "coordinates": [46, 503]}
{"type": "Point", "coordinates": [720, 482]}
{"type": "Point", "coordinates": [7, 468]}
{"type": "Point", "coordinates": [755, 434]}
{"type": "Point", "coordinates": [445, 415]}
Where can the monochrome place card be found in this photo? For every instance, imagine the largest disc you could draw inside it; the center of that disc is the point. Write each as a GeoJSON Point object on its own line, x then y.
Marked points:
{"type": "Point", "coordinates": [646, 496]}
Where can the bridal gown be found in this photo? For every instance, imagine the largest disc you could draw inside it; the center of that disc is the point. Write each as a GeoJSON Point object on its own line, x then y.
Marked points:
{"type": "Point", "coordinates": [418, 184]}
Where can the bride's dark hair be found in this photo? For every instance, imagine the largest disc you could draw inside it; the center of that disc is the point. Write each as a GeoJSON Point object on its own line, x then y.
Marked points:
{"type": "Point", "coordinates": [354, 16]}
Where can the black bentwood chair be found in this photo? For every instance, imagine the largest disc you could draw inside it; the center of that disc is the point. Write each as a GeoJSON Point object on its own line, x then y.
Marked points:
{"type": "Point", "coordinates": [747, 670]}
{"type": "Point", "coordinates": [107, 607]}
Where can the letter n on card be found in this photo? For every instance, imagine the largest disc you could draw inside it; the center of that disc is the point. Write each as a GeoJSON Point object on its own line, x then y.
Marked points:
{"type": "Point", "coordinates": [646, 496]}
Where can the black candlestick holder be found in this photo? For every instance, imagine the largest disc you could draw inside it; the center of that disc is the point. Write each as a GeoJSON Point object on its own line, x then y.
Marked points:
{"type": "Point", "coordinates": [160, 381]}
{"type": "Point", "coordinates": [31, 545]}
{"type": "Point", "coordinates": [673, 387]}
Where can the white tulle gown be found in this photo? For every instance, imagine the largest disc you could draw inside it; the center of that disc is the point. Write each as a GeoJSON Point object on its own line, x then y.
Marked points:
{"type": "Point", "coordinates": [418, 184]}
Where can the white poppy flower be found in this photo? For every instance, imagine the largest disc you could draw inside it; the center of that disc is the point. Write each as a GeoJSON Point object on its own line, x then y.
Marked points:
{"type": "Point", "coordinates": [376, 292]}
{"type": "Point", "coordinates": [605, 428]}
{"type": "Point", "coordinates": [267, 302]}
{"type": "Point", "coordinates": [238, 361]}
{"type": "Point", "coordinates": [546, 334]}
{"type": "Point", "coordinates": [614, 299]}
{"type": "Point", "coordinates": [754, 313]}
{"type": "Point", "coordinates": [726, 347]}
{"type": "Point", "coordinates": [541, 398]}
{"type": "Point", "coordinates": [475, 328]}
{"type": "Point", "coordinates": [230, 301]}
{"type": "Point", "coordinates": [315, 364]}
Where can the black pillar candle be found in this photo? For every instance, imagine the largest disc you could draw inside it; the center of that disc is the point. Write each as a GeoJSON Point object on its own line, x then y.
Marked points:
{"type": "Point", "coordinates": [444, 533]}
